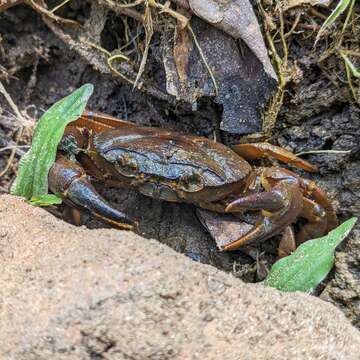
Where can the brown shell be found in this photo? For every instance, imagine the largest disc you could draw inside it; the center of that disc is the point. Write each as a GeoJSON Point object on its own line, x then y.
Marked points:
{"type": "Point", "coordinates": [195, 162]}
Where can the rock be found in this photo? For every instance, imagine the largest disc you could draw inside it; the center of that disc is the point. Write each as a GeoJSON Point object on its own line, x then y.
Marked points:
{"type": "Point", "coordinates": [340, 179]}
{"type": "Point", "coordinates": [344, 289]}
{"type": "Point", "coordinates": [74, 293]}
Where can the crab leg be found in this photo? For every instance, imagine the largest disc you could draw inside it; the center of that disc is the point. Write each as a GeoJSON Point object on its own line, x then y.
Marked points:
{"type": "Point", "coordinates": [319, 197]}
{"type": "Point", "coordinates": [70, 181]}
{"type": "Point", "coordinates": [263, 150]}
{"type": "Point", "coordinates": [280, 206]}
{"type": "Point", "coordinates": [98, 122]}
{"type": "Point", "coordinates": [317, 222]}
{"type": "Point", "coordinates": [286, 197]}
{"type": "Point", "coordinates": [287, 243]}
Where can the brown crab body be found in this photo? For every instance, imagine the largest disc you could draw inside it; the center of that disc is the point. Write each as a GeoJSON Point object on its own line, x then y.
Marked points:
{"type": "Point", "coordinates": [169, 166]}
{"type": "Point", "coordinates": [181, 168]}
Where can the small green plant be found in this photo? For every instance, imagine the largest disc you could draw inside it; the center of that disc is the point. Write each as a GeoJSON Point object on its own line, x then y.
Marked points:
{"type": "Point", "coordinates": [310, 263]}
{"type": "Point", "coordinates": [339, 9]}
{"type": "Point", "coordinates": [32, 180]}
{"type": "Point", "coordinates": [350, 68]}
{"type": "Point", "coordinates": [349, 65]}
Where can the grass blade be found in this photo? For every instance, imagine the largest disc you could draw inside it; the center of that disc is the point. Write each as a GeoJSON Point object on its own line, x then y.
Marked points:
{"type": "Point", "coordinates": [340, 8]}
{"type": "Point", "coordinates": [32, 179]}
{"type": "Point", "coordinates": [354, 71]}
{"type": "Point", "coordinates": [310, 263]}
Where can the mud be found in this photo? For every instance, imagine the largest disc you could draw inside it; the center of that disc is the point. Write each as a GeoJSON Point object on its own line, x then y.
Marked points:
{"type": "Point", "coordinates": [317, 115]}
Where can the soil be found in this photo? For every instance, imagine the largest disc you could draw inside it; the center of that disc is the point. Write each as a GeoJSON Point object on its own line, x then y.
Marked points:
{"type": "Point", "coordinates": [317, 114]}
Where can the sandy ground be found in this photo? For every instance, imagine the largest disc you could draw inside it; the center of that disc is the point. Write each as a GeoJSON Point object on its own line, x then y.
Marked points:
{"type": "Point", "coordinates": [75, 293]}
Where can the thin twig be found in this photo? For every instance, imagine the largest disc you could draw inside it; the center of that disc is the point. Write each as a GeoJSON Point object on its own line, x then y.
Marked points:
{"type": "Point", "coordinates": [118, 9]}
{"type": "Point", "coordinates": [283, 40]}
{"type": "Point", "coordinates": [337, 152]}
{"type": "Point", "coordinates": [282, 70]}
{"type": "Point", "coordinates": [346, 22]}
{"type": "Point", "coordinates": [351, 53]}
{"type": "Point", "coordinates": [204, 60]}
{"type": "Point", "coordinates": [98, 47]}
{"type": "Point", "coordinates": [12, 155]}
{"type": "Point", "coordinates": [121, 58]}
{"type": "Point", "coordinates": [124, 6]}
{"type": "Point", "coordinates": [314, 12]}
{"type": "Point", "coordinates": [52, 16]}
{"type": "Point", "coordinates": [22, 121]}
{"type": "Point", "coordinates": [5, 4]}
{"type": "Point", "coordinates": [349, 81]}
{"type": "Point", "coordinates": [149, 32]}
{"type": "Point", "coordinates": [13, 106]}
{"type": "Point", "coordinates": [166, 9]}
{"type": "Point", "coordinates": [294, 25]}
{"type": "Point", "coordinates": [56, 8]}
{"type": "Point", "coordinates": [14, 147]}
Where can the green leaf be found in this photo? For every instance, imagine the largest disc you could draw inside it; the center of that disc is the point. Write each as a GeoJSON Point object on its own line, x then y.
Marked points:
{"type": "Point", "coordinates": [355, 72]}
{"type": "Point", "coordinates": [45, 200]}
{"type": "Point", "coordinates": [32, 179]}
{"type": "Point", "coordinates": [340, 8]}
{"type": "Point", "coordinates": [304, 269]}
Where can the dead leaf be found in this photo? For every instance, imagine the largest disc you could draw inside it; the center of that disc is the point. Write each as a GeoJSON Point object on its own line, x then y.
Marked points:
{"type": "Point", "coordinates": [243, 85]}
{"type": "Point", "coordinates": [223, 228]}
{"type": "Point", "coordinates": [237, 18]}
{"type": "Point", "coordinates": [182, 47]}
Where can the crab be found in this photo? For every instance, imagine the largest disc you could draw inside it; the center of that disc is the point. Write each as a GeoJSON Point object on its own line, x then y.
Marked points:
{"type": "Point", "coordinates": [176, 167]}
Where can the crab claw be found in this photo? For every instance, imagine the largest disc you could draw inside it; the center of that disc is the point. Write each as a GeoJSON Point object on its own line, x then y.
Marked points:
{"type": "Point", "coordinates": [272, 200]}
{"type": "Point", "coordinates": [279, 207]}
{"type": "Point", "coordinates": [70, 181]}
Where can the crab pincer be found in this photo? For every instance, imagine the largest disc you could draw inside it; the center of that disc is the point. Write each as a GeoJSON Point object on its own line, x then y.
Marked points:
{"type": "Point", "coordinates": [280, 206]}
{"type": "Point", "coordinates": [70, 181]}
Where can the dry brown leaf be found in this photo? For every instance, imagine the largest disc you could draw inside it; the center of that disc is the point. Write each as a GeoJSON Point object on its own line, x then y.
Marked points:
{"type": "Point", "coordinates": [182, 47]}
{"type": "Point", "coordinates": [237, 18]}
{"type": "Point", "coordinates": [243, 85]}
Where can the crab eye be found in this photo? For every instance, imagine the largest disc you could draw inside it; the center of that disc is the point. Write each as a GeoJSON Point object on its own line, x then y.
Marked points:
{"type": "Point", "coordinates": [191, 183]}
{"type": "Point", "coordinates": [126, 166]}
